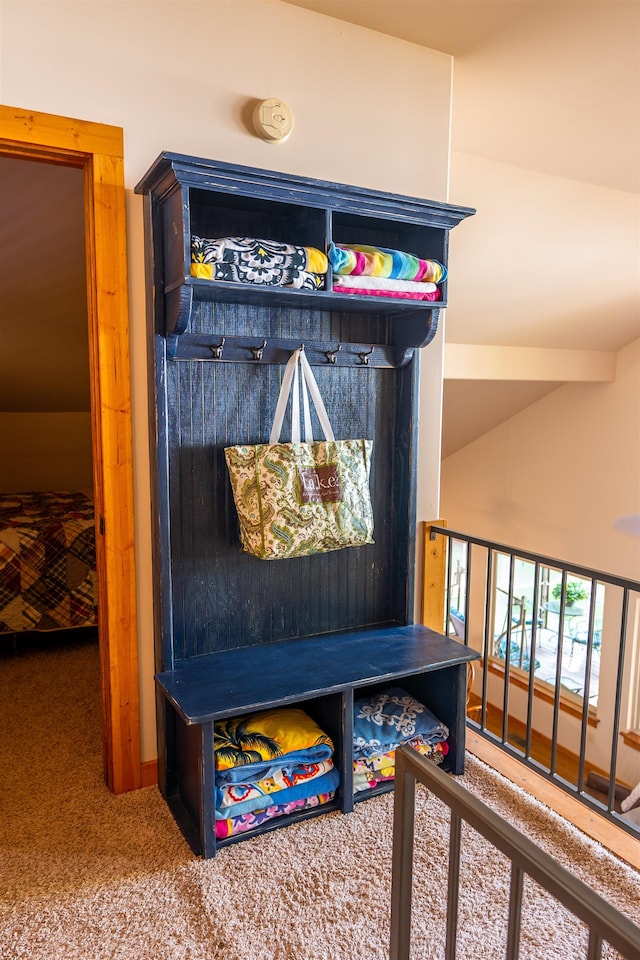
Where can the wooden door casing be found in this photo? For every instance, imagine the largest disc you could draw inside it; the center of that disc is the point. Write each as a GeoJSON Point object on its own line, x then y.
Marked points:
{"type": "Point", "coordinates": [98, 150]}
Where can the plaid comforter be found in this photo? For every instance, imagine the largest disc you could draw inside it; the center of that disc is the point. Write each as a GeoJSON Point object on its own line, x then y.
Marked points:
{"type": "Point", "coordinates": [48, 575]}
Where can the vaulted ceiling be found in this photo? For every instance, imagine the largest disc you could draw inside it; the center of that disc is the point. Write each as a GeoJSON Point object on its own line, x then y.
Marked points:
{"type": "Point", "coordinates": [547, 86]}
{"type": "Point", "coordinates": [546, 143]}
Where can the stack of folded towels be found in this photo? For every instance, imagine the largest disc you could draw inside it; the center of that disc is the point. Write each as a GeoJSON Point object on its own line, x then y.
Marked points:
{"type": "Point", "coordinates": [259, 262]}
{"type": "Point", "coordinates": [267, 765]}
{"type": "Point", "coordinates": [383, 722]}
{"type": "Point", "coordinates": [357, 269]}
{"type": "Point", "coordinates": [382, 272]}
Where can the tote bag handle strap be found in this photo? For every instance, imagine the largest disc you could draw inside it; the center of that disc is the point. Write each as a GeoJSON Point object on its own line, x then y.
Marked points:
{"type": "Point", "coordinates": [290, 384]}
{"type": "Point", "coordinates": [295, 408]}
{"type": "Point", "coordinates": [283, 397]}
{"type": "Point", "coordinates": [315, 396]}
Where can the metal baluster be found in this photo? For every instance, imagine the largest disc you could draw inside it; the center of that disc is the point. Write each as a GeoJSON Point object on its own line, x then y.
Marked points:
{"type": "Point", "coordinates": [453, 886]}
{"type": "Point", "coordinates": [515, 913]}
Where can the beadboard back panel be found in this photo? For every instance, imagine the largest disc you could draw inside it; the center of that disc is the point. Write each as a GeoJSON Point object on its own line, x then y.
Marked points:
{"type": "Point", "coordinates": [223, 598]}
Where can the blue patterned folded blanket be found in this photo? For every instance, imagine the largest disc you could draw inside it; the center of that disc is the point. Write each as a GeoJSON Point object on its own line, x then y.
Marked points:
{"type": "Point", "coordinates": [307, 781]}
{"type": "Point", "coordinates": [392, 717]}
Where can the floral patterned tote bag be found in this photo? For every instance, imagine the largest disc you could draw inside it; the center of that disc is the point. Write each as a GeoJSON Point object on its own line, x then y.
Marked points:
{"type": "Point", "coordinates": [303, 497]}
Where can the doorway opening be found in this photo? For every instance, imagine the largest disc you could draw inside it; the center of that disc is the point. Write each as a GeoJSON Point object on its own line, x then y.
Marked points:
{"type": "Point", "coordinates": [97, 150]}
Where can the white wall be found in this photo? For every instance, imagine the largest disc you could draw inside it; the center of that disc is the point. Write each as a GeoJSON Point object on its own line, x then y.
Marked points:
{"type": "Point", "coordinates": [181, 76]}
{"type": "Point", "coordinates": [546, 260]}
{"type": "Point", "coordinates": [552, 480]}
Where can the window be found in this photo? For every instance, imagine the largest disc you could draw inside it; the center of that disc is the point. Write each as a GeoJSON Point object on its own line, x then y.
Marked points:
{"type": "Point", "coordinates": [528, 615]}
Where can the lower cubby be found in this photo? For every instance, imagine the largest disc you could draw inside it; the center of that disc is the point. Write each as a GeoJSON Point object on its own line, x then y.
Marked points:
{"type": "Point", "coordinates": [320, 675]}
{"type": "Point", "coordinates": [386, 716]}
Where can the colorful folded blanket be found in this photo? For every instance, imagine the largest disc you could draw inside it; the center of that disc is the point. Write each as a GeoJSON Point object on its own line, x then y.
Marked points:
{"type": "Point", "coordinates": [251, 748]}
{"type": "Point", "coordinates": [232, 799]}
{"type": "Point", "coordinates": [256, 261]}
{"type": "Point", "coordinates": [369, 780]}
{"type": "Point", "coordinates": [247, 821]}
{"type": "Point", "coordinates": [392, 717]}
{"type": "Point", "coordinates": [339, 287]}
{"type": "Point", "coordinates": [380, 760]}
{"type": "Point", "coordinates": [302, 790]}
{"type": "Point", "coordinates": [264, 276]}
{"type": "Point", "coordinates": [387, 283]}
{"type": "Point", "coordinates": [358, 260]}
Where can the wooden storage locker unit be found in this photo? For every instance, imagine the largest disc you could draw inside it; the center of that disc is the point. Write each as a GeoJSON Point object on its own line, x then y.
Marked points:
{"type": "Point", "coordinates": [235, 634]}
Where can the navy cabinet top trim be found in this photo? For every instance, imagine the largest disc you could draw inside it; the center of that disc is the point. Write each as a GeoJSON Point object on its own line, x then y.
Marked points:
{"type": "Point", "coordinates": [193, 196]}
{"type": "Point", "coordinates": [171, 168]}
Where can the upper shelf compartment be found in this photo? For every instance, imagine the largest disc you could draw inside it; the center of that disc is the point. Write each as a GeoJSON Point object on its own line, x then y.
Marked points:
{"type": "Point", "coordinates": [189, 198]}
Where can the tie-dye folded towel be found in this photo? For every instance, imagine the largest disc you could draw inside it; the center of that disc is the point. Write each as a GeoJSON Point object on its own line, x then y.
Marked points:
{"type": "Point", "coordinates": [358, 260]}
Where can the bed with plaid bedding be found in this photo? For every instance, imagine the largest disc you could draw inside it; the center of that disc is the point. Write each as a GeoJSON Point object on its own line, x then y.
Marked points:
{"type": "Point", "coordinates": [48, 578]}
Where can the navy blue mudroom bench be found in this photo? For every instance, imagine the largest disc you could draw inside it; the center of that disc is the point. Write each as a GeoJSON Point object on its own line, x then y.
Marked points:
{"type": "Point", "coordinates": [234, 634]}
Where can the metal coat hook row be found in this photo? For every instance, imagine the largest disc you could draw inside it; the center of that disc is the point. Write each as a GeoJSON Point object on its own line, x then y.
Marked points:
{"type": "Point", "coordinates": [331, 354]}
{"type": "Point", "coordinates": [239, 349]}
{"type": "Point", "coordinates": [364, 357]}
{"type": "Point", "coordinates": [216, 350]}
{"type": "Point", "coordinates": [258, 351]}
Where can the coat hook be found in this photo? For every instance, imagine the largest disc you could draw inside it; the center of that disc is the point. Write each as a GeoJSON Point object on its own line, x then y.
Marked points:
{"type": "Point", "coordinates": [364, 357]}
{"type": "Point", "coordinates": [331, 354]}
{"type": "Point", "coordinates": [217, 350]}
{"type": "Point", "coordinates": [258, 351]}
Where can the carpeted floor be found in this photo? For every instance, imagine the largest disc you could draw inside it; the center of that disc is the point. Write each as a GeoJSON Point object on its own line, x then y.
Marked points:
{"type": "Point", "coordinates": [85, 875]}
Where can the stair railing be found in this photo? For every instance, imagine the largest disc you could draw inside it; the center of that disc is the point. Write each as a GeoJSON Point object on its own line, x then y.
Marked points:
{"type": "Point", "coordinates": [542, 691]}
{"type": "Point", "coordinates": [605, 924]}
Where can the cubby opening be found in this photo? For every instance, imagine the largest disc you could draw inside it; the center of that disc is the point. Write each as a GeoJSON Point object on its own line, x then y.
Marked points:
{"type": "Point", "coordinates": [215, 215]}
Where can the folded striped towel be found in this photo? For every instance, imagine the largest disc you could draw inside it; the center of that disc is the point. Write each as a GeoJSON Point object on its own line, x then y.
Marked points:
{"type": "Point", "coordinates": [358, 260]}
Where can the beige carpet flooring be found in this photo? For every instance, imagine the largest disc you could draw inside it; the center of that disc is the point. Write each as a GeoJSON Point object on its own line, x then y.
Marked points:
{"type": "Point", "coordinates": [85, 875]}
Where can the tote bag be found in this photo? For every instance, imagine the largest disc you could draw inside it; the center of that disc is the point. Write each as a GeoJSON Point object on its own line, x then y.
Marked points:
{"type": "Point", "coordinates": [303, 497]}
